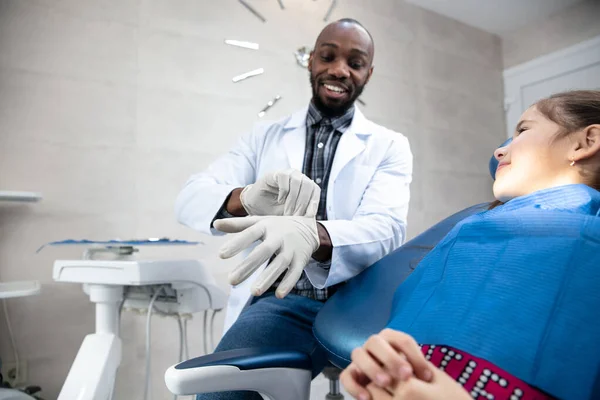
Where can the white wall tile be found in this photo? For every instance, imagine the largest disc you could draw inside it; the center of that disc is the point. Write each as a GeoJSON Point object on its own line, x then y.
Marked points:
{"type": "Point", "coordinates": [41, 39]}
{"type": "Point", "coordinates": [42, 108]}
{"type": "Point", "coordinates": [467, 151]}
{"type": "Point", "coordinates": [462, 111]}
{"type": "Point", "coordinates": [187, 121]}
{"type": "Point", "coordinates": [454, 37]}
{"type": "Point", "coordinates": [459, 191]}
{"type": "Point", "coordinates": [385, 97]}
{"type": "Point", "coordinates": [450, 72]}
{"type": "Point", "coordinates": [74, 180]}
{"type": "Point", "coordinates": [122, 11]}
{"type": "Point", "coordinates": [160, 176]}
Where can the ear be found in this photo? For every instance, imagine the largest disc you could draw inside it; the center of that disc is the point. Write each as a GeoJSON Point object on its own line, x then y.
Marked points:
{"type": "Point", "coordinates": [587, 143]}
{"type": "Point", "coordinates": [310, 60]}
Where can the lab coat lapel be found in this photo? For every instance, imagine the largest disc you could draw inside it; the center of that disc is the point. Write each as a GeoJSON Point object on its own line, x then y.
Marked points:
{"type": "Point", "coordinates": [294, 139]}
{"type": "Point", "coordinates": [351, 144]}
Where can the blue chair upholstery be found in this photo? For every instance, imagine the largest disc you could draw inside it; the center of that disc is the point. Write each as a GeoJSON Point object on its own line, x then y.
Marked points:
{"type": "Point", "coordinates": [251, 358]}
{"type": "Point", "coordinates": [347, 319]}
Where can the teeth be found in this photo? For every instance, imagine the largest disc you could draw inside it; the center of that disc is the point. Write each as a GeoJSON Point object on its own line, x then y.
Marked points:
{"type": "Point", "coordinates": [334, 88]}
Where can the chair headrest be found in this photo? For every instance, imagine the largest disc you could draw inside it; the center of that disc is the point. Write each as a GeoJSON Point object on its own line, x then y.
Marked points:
{"type": "Point", "coordinates": [494, 163]}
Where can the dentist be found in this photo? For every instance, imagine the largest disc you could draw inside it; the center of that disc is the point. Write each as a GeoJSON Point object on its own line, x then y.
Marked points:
{"type": "Point", "coordinates": [325, 191]}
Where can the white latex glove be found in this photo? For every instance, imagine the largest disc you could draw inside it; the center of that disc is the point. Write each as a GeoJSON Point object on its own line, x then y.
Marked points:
{"type": "Point", "coordinates": [293, 239]}
{"type": "Point", "coordinates": [288, 192]}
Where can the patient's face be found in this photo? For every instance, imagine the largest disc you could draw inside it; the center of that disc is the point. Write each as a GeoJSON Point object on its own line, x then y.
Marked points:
{"type": "Point", "coordinates": [536, 159]}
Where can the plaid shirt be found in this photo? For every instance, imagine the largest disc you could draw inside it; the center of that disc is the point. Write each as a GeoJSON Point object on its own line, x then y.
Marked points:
{"type": "Point", "coordinates": [322, 138]}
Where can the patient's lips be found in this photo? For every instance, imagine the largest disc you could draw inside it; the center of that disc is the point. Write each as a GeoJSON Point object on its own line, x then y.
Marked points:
{"type": "Point", "coordinates": [502, 165]}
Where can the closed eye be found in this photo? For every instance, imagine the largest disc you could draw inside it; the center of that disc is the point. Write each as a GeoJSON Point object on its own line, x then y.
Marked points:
{"type": "Point", "coordinates": [519, 131]}
{"type": "Point", "coordinates": [521, 127]}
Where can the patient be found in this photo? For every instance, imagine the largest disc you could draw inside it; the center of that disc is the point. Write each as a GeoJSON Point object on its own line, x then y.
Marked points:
{"type": "Point", "coordinates": [507, 305]}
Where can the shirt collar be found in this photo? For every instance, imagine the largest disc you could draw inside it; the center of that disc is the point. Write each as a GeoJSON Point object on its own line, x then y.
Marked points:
{"type": "Point", "coordinates": [315, 117]}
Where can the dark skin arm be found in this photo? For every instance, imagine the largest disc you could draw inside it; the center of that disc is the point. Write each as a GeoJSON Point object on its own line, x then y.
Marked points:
{"type": "Point", "coordinates": [323, 253]}
{"type": "Point", "coordinates": [234, 204]}
{"type": "Point", "coordinates": [325, 249]}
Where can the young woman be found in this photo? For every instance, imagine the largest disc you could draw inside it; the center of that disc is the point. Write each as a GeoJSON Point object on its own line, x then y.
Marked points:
{"type": "Point", "coordinates": [507, 305]}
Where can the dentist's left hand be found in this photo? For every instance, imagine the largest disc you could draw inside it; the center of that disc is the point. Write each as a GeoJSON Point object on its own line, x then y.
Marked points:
{"type": "Point", "coordinates": [293, 239]}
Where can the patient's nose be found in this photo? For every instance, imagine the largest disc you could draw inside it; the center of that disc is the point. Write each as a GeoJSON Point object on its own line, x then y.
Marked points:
{"type": "Point", "coordinates": [500, 153]}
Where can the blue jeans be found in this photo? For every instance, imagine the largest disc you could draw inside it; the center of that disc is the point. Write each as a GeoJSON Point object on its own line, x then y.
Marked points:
{"type": "Point", "coordinates": [272, 322]}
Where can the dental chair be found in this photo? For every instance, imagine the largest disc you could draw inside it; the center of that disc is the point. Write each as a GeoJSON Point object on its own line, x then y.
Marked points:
{"type": "Point", "coordinates": [345, 322]}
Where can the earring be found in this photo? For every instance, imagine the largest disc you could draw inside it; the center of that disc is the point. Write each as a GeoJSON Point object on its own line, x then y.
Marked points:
{"type": "Point", "coordinates": [572, 163]}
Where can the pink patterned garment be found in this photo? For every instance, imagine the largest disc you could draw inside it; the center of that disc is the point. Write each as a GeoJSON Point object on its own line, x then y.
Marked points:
{"type": "Point", "coordinates": [483, 380]}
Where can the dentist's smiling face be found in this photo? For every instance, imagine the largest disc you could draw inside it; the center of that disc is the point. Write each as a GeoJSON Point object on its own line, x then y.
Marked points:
{"type": "Point", "coordinates": [340, 66]}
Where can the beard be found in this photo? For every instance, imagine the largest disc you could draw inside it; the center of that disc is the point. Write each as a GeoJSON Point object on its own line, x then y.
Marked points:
{"type": "Point", "coordinates": [333, 110]}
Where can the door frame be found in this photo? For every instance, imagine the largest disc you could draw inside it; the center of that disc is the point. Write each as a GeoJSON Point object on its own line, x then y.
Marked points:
{"type": "Point", "coordinates": [570, 59]}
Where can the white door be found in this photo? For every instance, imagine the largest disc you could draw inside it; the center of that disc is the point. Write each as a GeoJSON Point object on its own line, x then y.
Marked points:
{"type": "Point", "coordinates": [587, 78]}
{"type": "Point", "coordinates": [576, 67]}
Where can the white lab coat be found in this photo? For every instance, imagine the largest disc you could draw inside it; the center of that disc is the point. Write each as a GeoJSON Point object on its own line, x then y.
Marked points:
{"type": "Point", "coordinates": [367, 193]}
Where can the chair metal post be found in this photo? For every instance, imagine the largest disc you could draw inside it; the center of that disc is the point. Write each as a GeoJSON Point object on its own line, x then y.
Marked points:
{"type": "Point", "coordinates": [333, 374]}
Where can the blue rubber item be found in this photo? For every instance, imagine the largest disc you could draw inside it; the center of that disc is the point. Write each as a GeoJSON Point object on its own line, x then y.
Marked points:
{"type": "Point", "coordinates": [252, 358]}
{"type": "Point", "coordinates": [493, 165]}
{"type": "Point", "coordinates": [362, 307]}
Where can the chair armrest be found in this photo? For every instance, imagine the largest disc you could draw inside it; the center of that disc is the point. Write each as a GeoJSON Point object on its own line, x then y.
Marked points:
{"type": "Point", "coordinates": [274, 373]}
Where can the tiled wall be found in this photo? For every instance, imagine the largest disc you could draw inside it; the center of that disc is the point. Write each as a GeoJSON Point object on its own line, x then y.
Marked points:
{"type": "Point", "coordinates": [108, 106]}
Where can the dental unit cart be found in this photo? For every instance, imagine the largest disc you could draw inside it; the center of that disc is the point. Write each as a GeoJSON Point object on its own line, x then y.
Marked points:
{"type": "Point", "coordinates": [114, 280]}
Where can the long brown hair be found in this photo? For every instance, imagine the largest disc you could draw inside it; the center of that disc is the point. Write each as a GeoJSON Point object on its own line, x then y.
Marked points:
{"type": "Point", "coordinates": [572, 111]}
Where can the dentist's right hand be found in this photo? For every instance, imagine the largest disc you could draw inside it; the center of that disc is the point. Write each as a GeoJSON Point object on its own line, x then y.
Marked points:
{"type": "Point", "coordinates": [287, 192]}
{"type": "Point", "coordinates": [291, 239]}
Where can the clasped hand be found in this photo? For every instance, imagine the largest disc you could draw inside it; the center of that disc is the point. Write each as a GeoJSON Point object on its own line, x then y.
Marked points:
{"type": "Point", "coordinates": [391, 366]}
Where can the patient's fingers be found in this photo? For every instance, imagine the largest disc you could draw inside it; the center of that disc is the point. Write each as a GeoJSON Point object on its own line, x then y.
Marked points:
{"type": "Point", "coordinates": [355, 382]}
{"type": "Point", "coordinates": [408, 346]}
{"type": "Point", "coordinates": [366, 363]}
{"type": "Point", "coordinates": [378, 393]}
{"type": "Point", "coordinates": [394, 362]}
